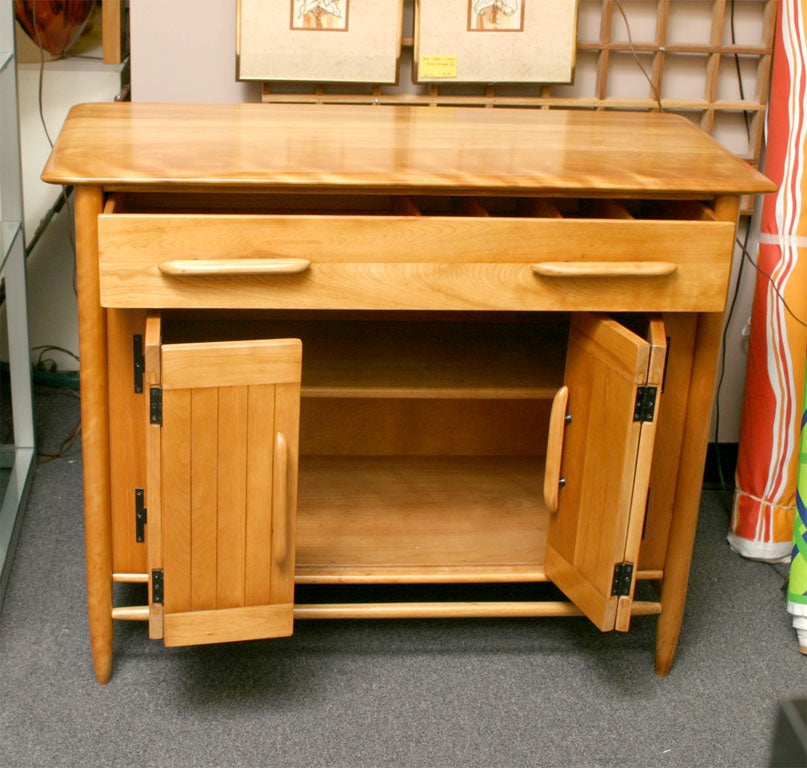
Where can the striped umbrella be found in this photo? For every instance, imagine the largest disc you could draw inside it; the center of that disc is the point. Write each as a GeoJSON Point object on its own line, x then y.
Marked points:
{"type": "Point", "coordinates": [765, 499]}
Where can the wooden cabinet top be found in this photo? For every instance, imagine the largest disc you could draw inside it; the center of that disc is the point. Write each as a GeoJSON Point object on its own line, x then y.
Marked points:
{"type": "Point", "coordinates": [395, 149]}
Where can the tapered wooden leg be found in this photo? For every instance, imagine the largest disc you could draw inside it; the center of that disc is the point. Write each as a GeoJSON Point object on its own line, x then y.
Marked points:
{"type": "Point", "coordinates": [690, 470]}
{"type": "Point", "coordinates": [688, 490]}
{"type": "Point", "coordinates": [94, 431]}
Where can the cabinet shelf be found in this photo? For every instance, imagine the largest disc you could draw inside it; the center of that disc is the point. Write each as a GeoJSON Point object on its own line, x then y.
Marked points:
{"type": "Point", "coordinates": [420, 519]}
{"type": "Point", "coordinates": [431, 360]}
{"type": "Point", "coordinates": [502, 358]}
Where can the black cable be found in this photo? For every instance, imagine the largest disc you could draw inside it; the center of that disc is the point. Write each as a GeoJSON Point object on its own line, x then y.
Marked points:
{"type": "Point", "coordinates": [44, 457]}
{"type": "Point", "coordinates": [41, 78]}
{"type": "Point", "coordinates": [776, 290]}
{"type": "Point", "coordinates": [47, 363]}
{"type": "Point", "coordinates": [48, 347]}
{"type": "Point", "coordinates": [746, 257]}
{"type": "Point", "coordinates": [635, 55]}
{"type": "Point", "coordinates": [739, 72]}
{"type": "Point", "coordinates": [723, 351]}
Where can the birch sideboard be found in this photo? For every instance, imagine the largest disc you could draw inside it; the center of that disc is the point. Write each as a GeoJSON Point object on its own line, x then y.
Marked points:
{"type": "Point", "coordinates": [384, 345]}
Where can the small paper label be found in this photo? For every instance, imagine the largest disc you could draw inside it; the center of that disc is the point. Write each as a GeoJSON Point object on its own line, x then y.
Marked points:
{"type": "Point", "coordinates": [441, 67]}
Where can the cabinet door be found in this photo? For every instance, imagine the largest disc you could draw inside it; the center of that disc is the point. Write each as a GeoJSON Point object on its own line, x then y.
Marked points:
{"type": "Point", "coordinates": [222, 458]}
{"type": "Point", "coordinates": [613, 377]}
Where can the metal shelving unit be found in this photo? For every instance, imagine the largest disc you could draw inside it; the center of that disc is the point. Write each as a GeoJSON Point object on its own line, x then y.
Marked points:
{"type": "Point", "coordinates": [16, 458]}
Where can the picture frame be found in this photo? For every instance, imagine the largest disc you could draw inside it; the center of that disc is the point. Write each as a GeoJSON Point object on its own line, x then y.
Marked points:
{"type": "Point", "coordinates": [495, 41]}
{"type": "Point", "coordinates": [322, 41]}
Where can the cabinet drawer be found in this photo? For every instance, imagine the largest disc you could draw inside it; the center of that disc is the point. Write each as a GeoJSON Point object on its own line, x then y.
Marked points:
{"type": "Point", "coordinates": [510, 260]}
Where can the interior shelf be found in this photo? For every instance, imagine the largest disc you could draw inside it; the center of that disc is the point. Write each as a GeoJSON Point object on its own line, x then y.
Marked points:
{"type": "Point", "coordinates": [420, 519]}
{"type": "Point", "coordinates": [429, 358]}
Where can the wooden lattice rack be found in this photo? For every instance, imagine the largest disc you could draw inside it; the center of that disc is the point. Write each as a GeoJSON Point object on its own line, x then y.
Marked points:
{"type": "Point", "coordinates": [617, 47]}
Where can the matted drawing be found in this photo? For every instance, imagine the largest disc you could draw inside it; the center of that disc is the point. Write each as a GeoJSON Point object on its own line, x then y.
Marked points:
{"type": "Point", "coordinates": [495, 41]}
{"type": "Point", "coordinates": [321, 41]}
{"type": "Point", "coordinates": [319, 14]}
{"type": "Point", "coordinates": [496, 15]}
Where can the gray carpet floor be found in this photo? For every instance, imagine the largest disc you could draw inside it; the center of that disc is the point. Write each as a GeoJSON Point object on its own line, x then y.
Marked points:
{"type": "Point", "coordinates": [539, 692]}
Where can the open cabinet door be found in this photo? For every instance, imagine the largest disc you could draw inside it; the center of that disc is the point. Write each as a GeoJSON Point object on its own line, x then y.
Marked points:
{"type": "Point", "coordinates": [613, 376]}
{"type": "Point", "coordinates": [222, 486]}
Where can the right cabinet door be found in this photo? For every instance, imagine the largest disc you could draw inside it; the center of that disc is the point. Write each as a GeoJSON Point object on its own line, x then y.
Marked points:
{"type": "Point", "coordinates": [613, 380]}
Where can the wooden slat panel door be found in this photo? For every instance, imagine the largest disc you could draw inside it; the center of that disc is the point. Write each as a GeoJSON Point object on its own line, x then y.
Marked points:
{"type": "Point", "coordinates": [606, 460]}
{"type": "Point", "coordinates": [228, 447]}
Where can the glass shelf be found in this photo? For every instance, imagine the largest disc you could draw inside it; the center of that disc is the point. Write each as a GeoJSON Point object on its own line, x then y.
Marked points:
{"type": "Point", "coordinates": [17, 460]}
{"type": "Point", "coordinates": [16, 468]}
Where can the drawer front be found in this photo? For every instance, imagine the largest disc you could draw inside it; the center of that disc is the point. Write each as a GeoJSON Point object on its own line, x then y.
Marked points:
{"type": "Point", "coordinates": [412, 262]}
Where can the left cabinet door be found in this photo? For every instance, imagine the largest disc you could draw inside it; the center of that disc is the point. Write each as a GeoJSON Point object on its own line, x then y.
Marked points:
{"type": "Point", "coordinates": [222, 448]}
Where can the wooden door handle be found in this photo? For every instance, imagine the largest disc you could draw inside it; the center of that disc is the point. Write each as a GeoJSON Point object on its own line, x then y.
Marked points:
{"type": "Point", "coordinates": [604, 268]}
{"type": "Point", "coordinates": [554, 449]}
{"type": "Point", "coordinates": [281, 523]}
{"type": "Point", "coordinates": [223, 267]}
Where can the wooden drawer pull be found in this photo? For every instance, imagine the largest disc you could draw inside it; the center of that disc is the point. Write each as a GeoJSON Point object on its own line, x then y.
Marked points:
{"type": "Point", "coordinates": [558, 419]}
{"type": "Point", "coordinates": [214, 267]}
{"type": "Point", "coordinates": [604, 268]}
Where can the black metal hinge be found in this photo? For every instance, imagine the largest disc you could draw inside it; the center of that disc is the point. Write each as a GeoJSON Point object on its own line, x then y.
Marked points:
{"type": "Point", "coordinates": [139, 362]}
{"type": "Point", "coordinates": [141, 515]}
{"type": "Point", "coordinates": [157, 586]}
{"type": "Point", "coordinates": [645, 407]}
{"type": "Point", "coordinates": [156, 405]}
{"type": "Point", "coordinates": [623, 576]}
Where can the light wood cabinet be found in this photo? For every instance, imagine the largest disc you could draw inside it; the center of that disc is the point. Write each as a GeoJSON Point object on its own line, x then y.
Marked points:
{"type": "Point", "coordinates": [393, 346]}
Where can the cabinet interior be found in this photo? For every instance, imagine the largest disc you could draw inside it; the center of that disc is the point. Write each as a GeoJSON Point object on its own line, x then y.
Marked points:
{"type": "Point", "coordinates": [422, 439]}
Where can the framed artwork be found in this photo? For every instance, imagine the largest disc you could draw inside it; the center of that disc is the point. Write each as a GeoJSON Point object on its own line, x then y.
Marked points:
{"type": "Point", "coordinates": [490, 41]}
{"type": "Point", "coordinates": [322, 41]}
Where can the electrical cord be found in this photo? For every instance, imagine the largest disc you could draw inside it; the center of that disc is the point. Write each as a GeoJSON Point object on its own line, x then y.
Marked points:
{"type": "Point", "coordinates": [769, 278]}
{"type": "Point", "coordinates": [737, 67]}
{"type": "Point", "coordinates": [41, 79]}
{"type": "Point", "coordinates": [44, 363]}
{"type": "Point", "coordinates": [45, 457]}
{"type": "Point", "coordinates": [635, 55]}
{"type": "Point", "coordinates": [723, 350]}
